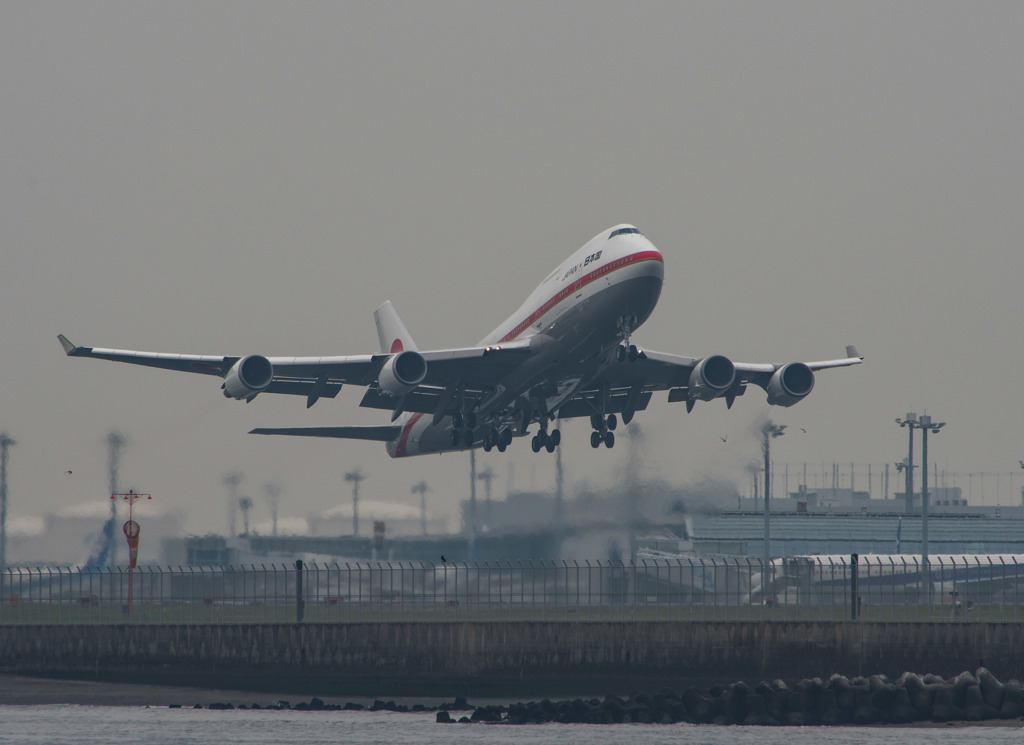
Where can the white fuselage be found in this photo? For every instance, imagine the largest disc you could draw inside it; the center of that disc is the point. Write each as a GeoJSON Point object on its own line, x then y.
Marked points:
{"type": "Point", "coordinates": [585, 308]}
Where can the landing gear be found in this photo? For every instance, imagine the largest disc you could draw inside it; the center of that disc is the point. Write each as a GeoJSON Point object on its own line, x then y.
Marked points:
{"type": "Point", "coordinates": [546, 440]}
{"type": "Point", "coordinates": [626, 351]}
{"type": "Point", "coordinates": [462, 436]}
{"type": "Point", "coordinates": [497, 439]}
{"type": "Point", "coordinates": [463, 425]}
{"type": "Point", "coordinates": [603, 427]}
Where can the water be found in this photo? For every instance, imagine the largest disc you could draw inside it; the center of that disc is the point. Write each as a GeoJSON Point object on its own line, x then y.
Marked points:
{"type": "Point", "coordinates": [95, 725]}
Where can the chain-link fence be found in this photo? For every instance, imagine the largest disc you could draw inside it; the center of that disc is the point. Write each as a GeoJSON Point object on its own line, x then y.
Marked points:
{"type": "Point", "coordinates": [827, 588]}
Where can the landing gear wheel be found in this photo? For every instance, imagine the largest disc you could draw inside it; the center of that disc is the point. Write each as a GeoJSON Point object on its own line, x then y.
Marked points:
{"type": "Point", "coordinates": [457, 420]}
{"type": "Point", "coordinates": [595, 439]}
{"type": "Point", "coordinates": [501, 447]}
{"type": "Point", "coordinates": [595, 421]}
{"type": "Point", "coordinates": [536, 444]}
{"type": "Point", "coordinates": [555, 437]}
{"type": "Point", "coordinates": [632, 353]}
{"type": "Point", "coordinates": [471, 420]}
{"type": "Point", "coordinates": [488, 443]}
{"type": "Point", "coordinates": [609, 439]}
{"type": "Point", "coordinates": [620, 353]}
{"type": "Point", "coordinates": [506, 437]}
{"type": "Point", "coordinates": [455, 438]}
{"type": "Point", "coordinates": [613, 422]}
{"type": "Point", "coordinates": [467, 438]}
{"type": "Point", "coordinates": [550, 446]}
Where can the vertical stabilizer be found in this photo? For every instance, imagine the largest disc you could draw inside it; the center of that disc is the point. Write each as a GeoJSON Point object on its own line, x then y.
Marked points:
{"type": "Point", "coordinates": [394, 336]}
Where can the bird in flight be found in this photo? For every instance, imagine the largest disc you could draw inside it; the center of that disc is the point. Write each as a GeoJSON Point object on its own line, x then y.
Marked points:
{"type": "Point", "coordinates": [443, 560]}
{"type": "Point", "coordinates": [722, 438]}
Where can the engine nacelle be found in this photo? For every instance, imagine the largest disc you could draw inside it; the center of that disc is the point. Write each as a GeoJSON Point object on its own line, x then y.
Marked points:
{"type": "Point", "coordinates": [248, 376]}
{"type": "Point", "coordinates": [402, 372]}
{"type": "Point", "coordinates": [711, 378]}
{"type": "Point", "coordinates": [790, 384]}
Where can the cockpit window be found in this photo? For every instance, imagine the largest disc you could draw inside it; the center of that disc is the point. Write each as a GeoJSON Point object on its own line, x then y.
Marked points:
{"type": "Point", "coordinates": [622, 231]}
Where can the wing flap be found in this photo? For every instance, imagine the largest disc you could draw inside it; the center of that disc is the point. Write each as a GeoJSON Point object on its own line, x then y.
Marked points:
{"type": "Point", "coordinates": [423, 400]}
{"type": "Point", "coordinates": [586, 403]}
{"type": "Point", "coordinates": [303, 388]}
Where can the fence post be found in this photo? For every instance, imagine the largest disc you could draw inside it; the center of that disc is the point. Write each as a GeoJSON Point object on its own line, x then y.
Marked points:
{"type": "Point", "coordinates": [854, 570]}
{"type": "Point", "coordinates": [299, 602]}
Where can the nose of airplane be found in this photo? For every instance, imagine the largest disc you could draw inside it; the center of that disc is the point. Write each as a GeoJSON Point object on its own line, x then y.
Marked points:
{"type": "Point", "coordinates": [657, 259]}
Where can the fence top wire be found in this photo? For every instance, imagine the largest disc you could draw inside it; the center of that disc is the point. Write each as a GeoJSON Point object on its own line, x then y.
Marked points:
{"type": "Point", "coordinates": [866, 562]}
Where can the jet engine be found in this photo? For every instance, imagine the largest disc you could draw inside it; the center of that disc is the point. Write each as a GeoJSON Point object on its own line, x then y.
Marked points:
{"type": "Point", "coordinates": [248, 376]}
{"type": "Point", "coordinates": [711, 378]}
{"type": "Point", "coordinates": [790, 384]}
{"type": "Point", "coordinates": [402, 372]}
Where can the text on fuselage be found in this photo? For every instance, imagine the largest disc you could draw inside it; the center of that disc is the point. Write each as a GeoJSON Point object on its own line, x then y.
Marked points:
{"type": "Point", "coordinates": [579, 267]}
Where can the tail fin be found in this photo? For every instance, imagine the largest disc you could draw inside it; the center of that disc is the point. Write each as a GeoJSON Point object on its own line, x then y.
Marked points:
{"type": "Point", "coordinates": [394, 336]}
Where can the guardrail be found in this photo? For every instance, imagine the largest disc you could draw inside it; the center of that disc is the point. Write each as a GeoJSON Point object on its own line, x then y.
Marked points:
{"type": "Point", "coordinates": [880, 588]}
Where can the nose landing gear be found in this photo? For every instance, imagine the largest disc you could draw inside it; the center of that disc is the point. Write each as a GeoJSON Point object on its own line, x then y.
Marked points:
{"type": "Point", "coordinates": [626, 351]}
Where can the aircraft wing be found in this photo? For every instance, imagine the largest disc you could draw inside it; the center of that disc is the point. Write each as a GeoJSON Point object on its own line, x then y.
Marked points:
{"type": "Point", "coordinates": [380, 434]}
{"type": "Point", "coordinates": [661, 370]}
{"type": "Point", "coordinates": [691, 379]}
{"type": "Point", "coordinates": [476, 368]}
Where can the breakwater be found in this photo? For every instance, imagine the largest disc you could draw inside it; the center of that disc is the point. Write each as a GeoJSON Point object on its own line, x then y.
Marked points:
{"type": "Point", "coordinates": [973, 697]}
{"type": "Point", "coordinates": [506, 658]}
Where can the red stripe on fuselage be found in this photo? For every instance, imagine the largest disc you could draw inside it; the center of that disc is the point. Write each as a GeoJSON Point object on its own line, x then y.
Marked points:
{"type": "Point", "coordinates": [404, 437]}
{"type": "Point", "coordinates": [577, 285]}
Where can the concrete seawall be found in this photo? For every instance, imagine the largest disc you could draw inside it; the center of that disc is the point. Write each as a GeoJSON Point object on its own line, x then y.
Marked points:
{"type": "Point", "coordinates": [522, 658]}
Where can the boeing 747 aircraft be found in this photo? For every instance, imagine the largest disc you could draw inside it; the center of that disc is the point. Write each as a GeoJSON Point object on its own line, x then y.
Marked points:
{"type": "Point", "coordinates": [565, 353]}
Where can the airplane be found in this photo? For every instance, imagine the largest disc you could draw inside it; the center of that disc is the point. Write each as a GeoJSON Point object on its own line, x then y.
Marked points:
{"type": "Point", "coordinates": [565, 353]}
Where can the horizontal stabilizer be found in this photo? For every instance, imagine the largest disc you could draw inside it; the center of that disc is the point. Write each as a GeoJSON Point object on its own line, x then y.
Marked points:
{"type": "Point", "coordinates": [385, 433]}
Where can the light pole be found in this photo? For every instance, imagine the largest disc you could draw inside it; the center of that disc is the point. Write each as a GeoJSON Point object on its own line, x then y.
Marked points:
{"type": "Point", "coordinates": [115, 445]}
{"type": "Point", "coordinates": [422, 489]}
{"type": "Point", "coordinates": [273, 492]}
{"type": "Point", "coordinates": [354, 477]}
{"type": "Point", "coordinates": [487, 476]}
{"type": "Point", "coordinates": [245, 504]}
{"type": "Point", "coordinates": [472, 505]}
{"type": "Point", "coordinates": [769, 431]}
{"type": "Point", "coordinates": [231, 481]}
{"type": "Point", "coordinates": [910, 423]}
{"type": "Point", "coordinates": [901, 466]}
{"type": "Point", "coordinates": [5, 444]}
{"type": "Point", "coordinates": [925, 424]}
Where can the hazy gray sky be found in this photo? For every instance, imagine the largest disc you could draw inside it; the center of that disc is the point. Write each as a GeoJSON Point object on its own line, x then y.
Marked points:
{"type": "Point", "coordinates": [251, 177]}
